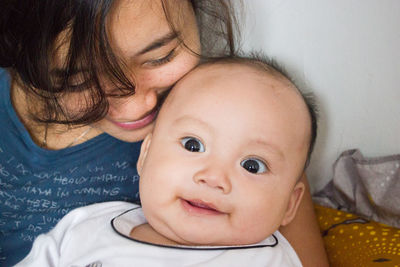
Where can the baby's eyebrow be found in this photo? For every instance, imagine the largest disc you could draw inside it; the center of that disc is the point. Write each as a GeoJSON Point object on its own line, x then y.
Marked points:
{"type": "Point", "coordinates": [272, 148]}
{"type": "Point", "coordinates": [190, 119]}
{"type": "Point", "coordinates": [159, 42]}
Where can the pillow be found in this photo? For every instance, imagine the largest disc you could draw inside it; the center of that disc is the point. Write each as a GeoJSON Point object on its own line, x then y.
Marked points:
{"type": "Point", "coordinates": [353, 241]}
{"type": "Point", "coordinates": [368, 186]}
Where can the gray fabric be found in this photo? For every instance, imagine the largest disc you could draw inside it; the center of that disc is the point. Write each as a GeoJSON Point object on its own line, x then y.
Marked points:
{"type": "Point", "coordinates": [369, 187]}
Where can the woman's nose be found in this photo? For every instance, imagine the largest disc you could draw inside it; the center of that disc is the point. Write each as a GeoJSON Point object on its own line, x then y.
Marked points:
{"type": "Point", "coordinates": [145, 96]}
{"type": "Point", "coordinates": [143, 99]}
{"type": "Point", "coordinates": [150, 98]}
{"type": "Point", "coordinates": [139, 103]}
{"type": "Point", "coordinates": [214, 177]}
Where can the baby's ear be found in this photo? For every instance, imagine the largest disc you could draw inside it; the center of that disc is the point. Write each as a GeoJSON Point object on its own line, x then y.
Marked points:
{"type": "Point", "coordinates": [143, 153]}
{"type": "Point", "coordinates": [294, 202]}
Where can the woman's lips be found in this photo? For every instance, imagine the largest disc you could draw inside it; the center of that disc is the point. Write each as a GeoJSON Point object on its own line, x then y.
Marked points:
{"type": "Point", "coordinates": [133, 125]}
{"type": "Point", "coordinates": [199, 207]}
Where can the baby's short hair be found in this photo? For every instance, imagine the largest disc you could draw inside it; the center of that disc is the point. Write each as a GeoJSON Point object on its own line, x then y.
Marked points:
{"type": "Point", "coordinates": [264, 64]}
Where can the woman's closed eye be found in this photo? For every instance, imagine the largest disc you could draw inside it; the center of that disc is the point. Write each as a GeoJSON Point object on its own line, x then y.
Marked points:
{"type": "Point", "coordinates": [162, 60]}
{"type": "Point", "coordinates": [254, 165]}
{"type": "Point", "coordinates": [192, 144]}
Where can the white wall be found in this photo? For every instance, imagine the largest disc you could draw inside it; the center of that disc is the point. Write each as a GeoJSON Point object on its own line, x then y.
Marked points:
{"type": "Point", "coordinates": [348, 53]}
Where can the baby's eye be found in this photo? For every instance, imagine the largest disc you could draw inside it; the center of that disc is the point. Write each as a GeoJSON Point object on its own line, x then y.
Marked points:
{"type": "Point", "coordinates": [254, 165]}
{"type": "Point", "coordinates": [192, 144]}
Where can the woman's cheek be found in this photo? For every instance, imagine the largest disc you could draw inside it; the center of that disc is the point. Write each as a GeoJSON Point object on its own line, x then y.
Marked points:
{"type": "Point", "coordinates": [182, 66]}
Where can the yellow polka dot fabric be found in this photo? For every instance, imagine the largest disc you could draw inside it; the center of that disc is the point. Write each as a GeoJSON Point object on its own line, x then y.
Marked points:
{"type": "Point", "coordinates": [353, 241]}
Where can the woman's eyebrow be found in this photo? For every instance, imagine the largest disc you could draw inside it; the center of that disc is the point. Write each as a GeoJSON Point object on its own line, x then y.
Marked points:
{"type": "Point", "coordinates": [159, 42]}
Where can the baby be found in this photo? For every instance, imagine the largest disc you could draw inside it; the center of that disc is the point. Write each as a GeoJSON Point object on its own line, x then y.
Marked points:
{"type": "Point", "coordinates": [219, 175]}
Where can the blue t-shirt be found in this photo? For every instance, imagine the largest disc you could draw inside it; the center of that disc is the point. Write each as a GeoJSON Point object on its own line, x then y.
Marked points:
{"type": "Point", "coordinates": [39, 186]}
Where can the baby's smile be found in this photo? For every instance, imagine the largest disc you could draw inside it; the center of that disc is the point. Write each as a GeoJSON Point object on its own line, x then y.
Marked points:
{"type": "Point", "coordinates": [198, 207]}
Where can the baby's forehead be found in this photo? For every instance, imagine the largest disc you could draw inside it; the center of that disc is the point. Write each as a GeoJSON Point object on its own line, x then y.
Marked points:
{"type": "Point", "coordinates": [239, 72]}
{"type": "Point", "coordinates": [226, 69]}
{"type": "Point", "coordinates": [228, 82]}
{"type": "Point", "coordinates": [247, 79]}
{"type": "Point", "coordinates": [245, 76]}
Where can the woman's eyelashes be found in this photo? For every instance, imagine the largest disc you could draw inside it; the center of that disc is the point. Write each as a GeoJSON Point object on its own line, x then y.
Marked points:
{"type": "Point", "coordinates": [163, 60]}
{"type": "Point", "coordinates": [192, 144]}
{"type": "Point", "coordinates": [254, 165]}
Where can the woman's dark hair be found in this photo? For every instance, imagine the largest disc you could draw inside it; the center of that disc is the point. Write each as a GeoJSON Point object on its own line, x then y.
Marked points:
{"type": "Point", "coordinates": [31, 30]}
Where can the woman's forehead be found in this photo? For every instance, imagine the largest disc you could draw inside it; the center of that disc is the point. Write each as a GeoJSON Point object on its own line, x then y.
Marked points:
{"type": "Point", "coordinates": [133, 25]}
{"type": "Point", "coordinates": [144, 17]}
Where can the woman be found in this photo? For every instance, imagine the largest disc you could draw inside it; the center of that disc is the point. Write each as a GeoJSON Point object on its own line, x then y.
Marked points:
{"type": "Point", "coordinates": [82, 84]}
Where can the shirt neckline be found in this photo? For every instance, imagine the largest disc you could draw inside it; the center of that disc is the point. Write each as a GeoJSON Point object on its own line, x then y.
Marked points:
{"type": "Point", "coordinates": [123, 223]}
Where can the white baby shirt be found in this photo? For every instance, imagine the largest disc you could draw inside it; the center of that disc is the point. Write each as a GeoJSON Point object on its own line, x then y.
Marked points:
{"type": "Point", "coordinates": [98, 236]}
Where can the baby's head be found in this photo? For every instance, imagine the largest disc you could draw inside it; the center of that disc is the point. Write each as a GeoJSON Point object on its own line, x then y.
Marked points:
{"type": "Point", "coordinates": [223, 163]}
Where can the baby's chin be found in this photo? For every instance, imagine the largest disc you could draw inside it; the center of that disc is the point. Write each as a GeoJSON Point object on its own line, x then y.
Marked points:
{"type": "Point", "coordinates": [213, 240]}
{"type": "Point", "coordinates": [195, 236]}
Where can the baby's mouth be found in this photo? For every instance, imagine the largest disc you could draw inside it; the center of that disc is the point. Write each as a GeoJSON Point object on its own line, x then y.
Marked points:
{"type": "Point", "coordinates": [201, 207]}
